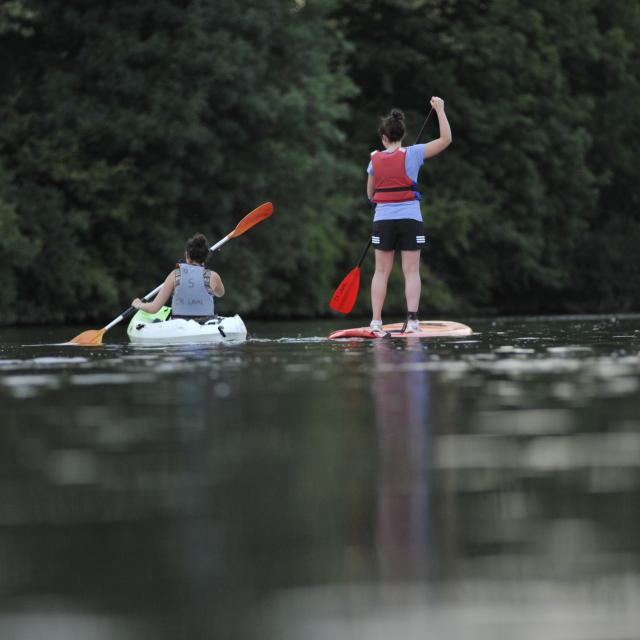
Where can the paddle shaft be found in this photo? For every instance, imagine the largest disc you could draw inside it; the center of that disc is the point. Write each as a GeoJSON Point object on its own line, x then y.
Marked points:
{"type": "Point", "coordinates": [424, 124]}
{"type": "Point", "coordinates": [364, 253]}
{"type": "Point", "coordinates": [146, 298]}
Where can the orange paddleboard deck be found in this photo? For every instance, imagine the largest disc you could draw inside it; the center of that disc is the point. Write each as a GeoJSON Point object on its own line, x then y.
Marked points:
{"type": "Point", "coordinates": [428, 329]}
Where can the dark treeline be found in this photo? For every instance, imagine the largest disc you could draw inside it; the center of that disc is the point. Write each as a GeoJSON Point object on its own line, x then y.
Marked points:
{"type": "Point", "coordinates": [126, 127]}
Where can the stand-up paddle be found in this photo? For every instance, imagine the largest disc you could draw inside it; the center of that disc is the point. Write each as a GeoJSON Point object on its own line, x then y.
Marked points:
{"type": "Point", "coordinates": [93, 337]}
{"type": "Point", "coordinates": [344, 297]}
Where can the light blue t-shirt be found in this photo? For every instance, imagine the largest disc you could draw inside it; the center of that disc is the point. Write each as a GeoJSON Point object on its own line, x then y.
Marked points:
{"type": "Point", "coordinates": [409, 210]}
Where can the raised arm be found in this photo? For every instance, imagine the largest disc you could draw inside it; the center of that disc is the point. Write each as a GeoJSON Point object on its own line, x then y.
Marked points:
{"type": "Point", "coordinates": [435, 147]}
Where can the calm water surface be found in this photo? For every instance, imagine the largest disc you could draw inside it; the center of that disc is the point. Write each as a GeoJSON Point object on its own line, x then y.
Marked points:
{"type": "Point", "coordinates": [290, 487]}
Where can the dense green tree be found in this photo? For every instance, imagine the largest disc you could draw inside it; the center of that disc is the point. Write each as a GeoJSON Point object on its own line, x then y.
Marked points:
{"type": "Point", "coordinates": [129, 127]}
{"type": "Point", "coordinates": [605, 271]}
{"type": "Point", "coordinates": [15, 249]}
{"type": "Point", "coordinates": [508, 204]}
{"type": "Point", "coordinates": [15, 18]}
{"type": "Point", "coordinates": [126, 128]}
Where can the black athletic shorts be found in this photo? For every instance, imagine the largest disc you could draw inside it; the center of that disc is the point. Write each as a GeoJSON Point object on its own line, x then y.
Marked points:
{"type": "Point", "coordinates": [406, 235]}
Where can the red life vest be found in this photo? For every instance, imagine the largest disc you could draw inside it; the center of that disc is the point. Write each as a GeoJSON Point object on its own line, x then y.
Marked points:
{"type": "Point", "coordinates": [390, 179]}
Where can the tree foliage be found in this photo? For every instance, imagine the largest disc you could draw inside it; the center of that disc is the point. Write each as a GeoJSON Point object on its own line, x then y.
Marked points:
{"type": "Point", "coordinates": [125, 128]}
{"type": "Point", "coordinates": [129, 127]}
{"type": "Point", "coordinates": [535, 95]}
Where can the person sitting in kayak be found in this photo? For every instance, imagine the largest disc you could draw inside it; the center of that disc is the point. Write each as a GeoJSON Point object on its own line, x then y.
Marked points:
{"type": "Point", "coordinates": [397, 223]}
{"type": "Point", "coordinates": [191, 286]}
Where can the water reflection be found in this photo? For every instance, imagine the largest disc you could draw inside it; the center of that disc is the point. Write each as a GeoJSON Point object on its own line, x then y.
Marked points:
{"type": "Point", "coordinates": [296, 488]}
{"type": "Point", "coordinates": [401, 399]}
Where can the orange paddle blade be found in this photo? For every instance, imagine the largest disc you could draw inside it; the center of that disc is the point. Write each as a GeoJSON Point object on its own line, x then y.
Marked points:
{"type": "Point", "coordinates": [345, 295]}
{"type": "Point", "coordinates": [252, 219]}
{"type": "Point", "coordinates": [88, 338]}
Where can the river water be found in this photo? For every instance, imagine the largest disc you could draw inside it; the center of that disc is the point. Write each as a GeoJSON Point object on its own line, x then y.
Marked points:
{"type": "Point", "coordinates": [290, 487]}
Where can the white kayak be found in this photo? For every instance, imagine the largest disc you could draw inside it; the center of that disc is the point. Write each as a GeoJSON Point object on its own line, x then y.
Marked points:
{"type": "Point", "coordinates": [156, 329]}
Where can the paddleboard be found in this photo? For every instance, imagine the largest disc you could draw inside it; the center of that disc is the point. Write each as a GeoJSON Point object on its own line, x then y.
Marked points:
{"type": "Point", "coordinates": [428, 329]}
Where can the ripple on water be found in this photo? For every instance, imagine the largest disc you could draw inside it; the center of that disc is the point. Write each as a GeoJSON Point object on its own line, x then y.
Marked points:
{"type": "Point", "coordinates": [29, 385]}
{"type": "Point", "coordinates": [510, 349]}
{"type": "Point", "coordinates": [58, 361]}
{"type": "Point", "coordinates": [569, 349]}
{"type": "Point", "coordinates": [41, 363]}
{"type": "Point", "coordinates": [87, 379]}
{"type": "Point", "coordinates": [10, 364]}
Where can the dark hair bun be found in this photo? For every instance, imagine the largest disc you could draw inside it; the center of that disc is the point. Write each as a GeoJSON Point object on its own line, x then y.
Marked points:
{"type": "Point", "coordinates": [197, 248]}
{"type": "Point", "coordinates": [393, 126]}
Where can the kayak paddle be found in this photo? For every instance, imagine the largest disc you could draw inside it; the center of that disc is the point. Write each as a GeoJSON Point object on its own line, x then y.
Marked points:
{"type": "Point", "coordinates": [344, 297]}
{"type": "Point", "coordinates": [93, 337]}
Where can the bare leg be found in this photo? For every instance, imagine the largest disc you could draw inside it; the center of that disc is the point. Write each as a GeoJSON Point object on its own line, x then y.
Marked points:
{"type": "Point", "coordinates": [384, 264]}
{"type": "Point", "coordinates": [412, 283]}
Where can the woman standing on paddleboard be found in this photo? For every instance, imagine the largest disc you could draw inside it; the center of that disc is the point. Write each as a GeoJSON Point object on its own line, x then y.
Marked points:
{"type": "Point", "coordinates": [397, 224]}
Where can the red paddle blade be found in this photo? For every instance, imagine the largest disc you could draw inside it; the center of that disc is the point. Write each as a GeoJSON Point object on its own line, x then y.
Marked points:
{"type": "Point", "coordinates": [345, 295]}
{"type": "Point", "coordinates": [251, 219]}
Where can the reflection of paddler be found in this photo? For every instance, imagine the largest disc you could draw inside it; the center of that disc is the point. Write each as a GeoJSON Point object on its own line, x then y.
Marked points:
{"type": "Point", "coordinates": [404, 436]}
{"type": "Point", "coordinates": [191, 286]}
{"type": "Point", "coordinates": [397, 224]}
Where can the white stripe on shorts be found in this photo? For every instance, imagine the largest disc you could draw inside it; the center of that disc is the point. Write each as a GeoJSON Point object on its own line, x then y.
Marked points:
{"type": "Point", "coordinates": [375, 239]}
{"type": "Point", "coordinates": [420, 240]}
